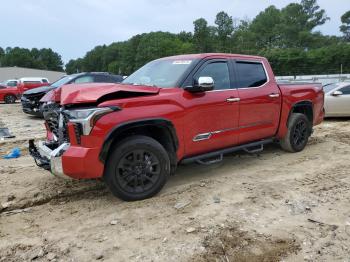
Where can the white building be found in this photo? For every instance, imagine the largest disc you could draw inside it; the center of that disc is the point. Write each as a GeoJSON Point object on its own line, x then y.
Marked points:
{"type": "Point", "coordinates": [19, 72]}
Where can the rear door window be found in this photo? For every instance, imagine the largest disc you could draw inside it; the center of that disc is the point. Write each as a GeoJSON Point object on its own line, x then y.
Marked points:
{"type": "Point", "coordinates": [84, 79]}
{"type": "Point", "coordinates": [250, 74]}
{"type": "Point", "coordinates": [345, 90]}
{"type": "Point", "coordinates": [101, 79]}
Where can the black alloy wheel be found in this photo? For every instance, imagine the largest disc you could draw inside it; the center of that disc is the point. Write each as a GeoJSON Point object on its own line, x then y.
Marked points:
{"type": "Point", "coordinates": [138, 171]}
{"type": "Point", "coordinates": [299, 131]}
{"type": "Point", "coordinates": [10, 99]}
{"type": "Point", "coordinates": [137, 168]}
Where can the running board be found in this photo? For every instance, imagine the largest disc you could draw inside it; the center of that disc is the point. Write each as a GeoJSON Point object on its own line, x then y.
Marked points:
{"type": "Point", "coordinates": [252, 150]}
{"type": "Point", "coordinates": [215, 154]}
{"type": "Point", "coordinates": [210, 161]}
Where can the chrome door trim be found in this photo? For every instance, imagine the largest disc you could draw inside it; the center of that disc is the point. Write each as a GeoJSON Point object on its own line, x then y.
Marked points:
{"type": "Point", "coordinates": [201, 137]}
{"type": "Point", "coordinates": [208, 135]}
{"type": "Point", "coordinates": [233, 99]}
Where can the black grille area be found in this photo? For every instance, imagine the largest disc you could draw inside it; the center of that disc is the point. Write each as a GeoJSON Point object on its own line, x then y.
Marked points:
{"type": "Point", "coordinates": [52, 123]}
{"type": "Point", "coordinates": [78, 130]}
{"type": "Point", "coordinates": [52, 117]}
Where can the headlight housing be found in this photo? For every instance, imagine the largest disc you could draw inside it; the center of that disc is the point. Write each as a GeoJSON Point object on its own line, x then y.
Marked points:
{"type": "Point", "coordinates": [87, 117]}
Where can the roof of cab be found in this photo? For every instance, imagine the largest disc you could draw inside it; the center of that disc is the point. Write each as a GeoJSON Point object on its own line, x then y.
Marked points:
{"type": "Point", "coordinates": [205, 55]}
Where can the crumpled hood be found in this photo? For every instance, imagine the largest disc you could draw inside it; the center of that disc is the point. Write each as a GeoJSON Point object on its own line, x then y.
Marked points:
{"type": "Point", "coordinates": [95, 92]}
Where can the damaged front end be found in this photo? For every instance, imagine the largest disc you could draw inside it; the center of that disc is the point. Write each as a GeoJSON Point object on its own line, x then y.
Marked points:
{"type": "Point", "coordinates": [64, 128]}
{"type": "Point", "coordinates": [48, 154]}
{"type": "Point", "coordinates": [70, 114]}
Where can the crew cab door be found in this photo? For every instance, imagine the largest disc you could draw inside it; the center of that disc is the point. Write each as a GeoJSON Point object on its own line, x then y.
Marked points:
{"type": "Point", "coordinates": [211, 117]}
{"type": "Point", "coordinates": [260, 101]}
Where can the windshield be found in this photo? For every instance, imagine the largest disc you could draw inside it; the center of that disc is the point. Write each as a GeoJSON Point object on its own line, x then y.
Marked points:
{"type": "Point", "coordinates": [161, 73]}
{"type": "Point", "coordinates": [62, 81]}
{"type": "Point", "coordinates": [329, 87]}
{"type": "Point", "coordinates": [11, 83]}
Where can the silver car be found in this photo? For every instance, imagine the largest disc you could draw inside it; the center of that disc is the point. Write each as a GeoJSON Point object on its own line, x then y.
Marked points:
{"type": "Point", "coordinates": [337, 99]}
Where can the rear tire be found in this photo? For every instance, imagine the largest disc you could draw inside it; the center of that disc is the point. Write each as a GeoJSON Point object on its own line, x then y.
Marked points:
{"type": "Point", "coordinates": [137, 168]}
{"type": "Point", "coordinates": [10, 99]}
{"type": "Point", "coordinates": [299, 131]}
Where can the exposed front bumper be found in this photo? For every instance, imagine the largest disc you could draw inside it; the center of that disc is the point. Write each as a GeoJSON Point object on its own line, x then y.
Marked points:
{"type": "Point", "coordinates": [68, 160]}
{"type": "Point", "coordinates": [47, 158]}
{"type": "Point", "coordinates": [30, 107]}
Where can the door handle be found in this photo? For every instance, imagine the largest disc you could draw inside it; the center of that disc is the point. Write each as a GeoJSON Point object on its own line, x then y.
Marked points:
{"type": "Point", "coordinates": [274, 95]}
{"type": "Point", "coordinates": [233, 99]}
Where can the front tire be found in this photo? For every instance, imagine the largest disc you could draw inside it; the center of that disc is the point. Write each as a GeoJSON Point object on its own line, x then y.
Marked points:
{"type": "Point", "coordinates": [137, 168]}
{"type": "Point", "coordinates": [10, 99]}
{"type": "Point", "coordinates": [299, 131]}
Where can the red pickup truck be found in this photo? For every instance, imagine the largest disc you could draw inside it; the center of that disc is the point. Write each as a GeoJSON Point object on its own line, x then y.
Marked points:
{"type": "Point", "coordinates": [181, 109]}
{"type": "Point", "coordinates": [9, 94]}
{"type": "Point", "coordinates": [28, 83]}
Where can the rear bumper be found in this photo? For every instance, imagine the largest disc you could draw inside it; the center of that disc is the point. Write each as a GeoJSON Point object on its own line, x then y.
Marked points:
{"type": "Point", "coordinates": [67, 160]}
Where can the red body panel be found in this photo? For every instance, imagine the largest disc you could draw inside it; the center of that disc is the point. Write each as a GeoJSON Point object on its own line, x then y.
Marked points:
{"type": "Point", "coordinates": [256, 116]}
{"type": "Point", "coordinates": [22, 87]}
{"type": "Point", "coordinates": [9, 91]}
{"type": "Point", "coordinates": [293, 94]}
{"type": "Point", "coordinates": [259, 113]}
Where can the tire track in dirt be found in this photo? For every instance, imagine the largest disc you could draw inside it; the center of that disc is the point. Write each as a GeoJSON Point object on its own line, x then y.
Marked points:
{"type": "Point", "coordinates": [232, 244]}
{"type": "Point", "coordinates": [70, 196]}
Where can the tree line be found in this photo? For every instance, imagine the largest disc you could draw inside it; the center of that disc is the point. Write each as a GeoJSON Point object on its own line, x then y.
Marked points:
{"type": "Point", "coordinates": [44, 58]}
{"type": "Point", "coordinates": [286, 36]}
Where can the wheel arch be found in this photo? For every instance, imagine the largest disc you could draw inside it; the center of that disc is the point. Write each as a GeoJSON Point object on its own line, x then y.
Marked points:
{"type": "Point", "coordinates": [11, 95]}
{"type": "Point", "coordinates": [303, 107]}
{"type": "Point", "coordinates": [160, 129]}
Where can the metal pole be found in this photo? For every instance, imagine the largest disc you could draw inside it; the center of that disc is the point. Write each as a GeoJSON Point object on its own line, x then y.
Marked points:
{"type": "Point", "coordinates": [341, 69]}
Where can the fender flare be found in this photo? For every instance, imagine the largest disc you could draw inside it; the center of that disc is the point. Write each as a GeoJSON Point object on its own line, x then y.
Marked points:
{"type": "Point", "coordinates": [119, 129]}
{"type": "Point", "coordinates": [301, 103]}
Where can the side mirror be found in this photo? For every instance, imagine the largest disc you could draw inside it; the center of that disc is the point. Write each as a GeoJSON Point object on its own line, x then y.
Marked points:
{"type": "Point", "coordinates": [204, 83]}
{"type": "Point", "coordinates": [337, 93]}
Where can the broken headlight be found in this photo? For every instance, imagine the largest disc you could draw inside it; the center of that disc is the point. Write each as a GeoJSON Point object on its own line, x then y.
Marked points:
{"type": "Point", "coordinates": [88, 117]}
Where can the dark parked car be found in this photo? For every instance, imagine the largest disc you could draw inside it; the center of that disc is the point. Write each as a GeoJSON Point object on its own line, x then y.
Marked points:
{"type": "Point", "coordinates": [30, 99]}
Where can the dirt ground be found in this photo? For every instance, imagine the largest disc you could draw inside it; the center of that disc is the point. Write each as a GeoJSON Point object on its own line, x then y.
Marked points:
{"type": "Point", "coordinates": [272, 206]}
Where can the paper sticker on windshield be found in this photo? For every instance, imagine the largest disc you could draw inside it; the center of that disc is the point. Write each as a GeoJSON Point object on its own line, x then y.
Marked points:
{"type": "Point", "coordinates": [182, 62]}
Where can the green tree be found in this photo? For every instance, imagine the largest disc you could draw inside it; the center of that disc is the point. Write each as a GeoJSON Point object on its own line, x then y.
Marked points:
{"type": "Point", "coordinates": [224, 29]}
{"type": "Point", "coordinates": [202, 36]}
{"type": "Point", "coordinates": [2, 54]}
{"type": "Point", "coordinates": [159, 44]}
{"type": "Point", "coordinates": [48, 60]}
{"type": "Point", "coordinates": [345, 27]}
{"type": "Point", "coordinates": [74, 66]}
{"type": "Point", "coordinates": [20, 57]}
{"type": "Point", "coordinates": [314, 15]}
{"type": "Point", "coordinates": [286, 36]}
{"type": "Point", "coordinates": [265, 29]}
{"type": "Point", "coordinates": [185, 36]}
{"type": "Point", "coordinates": [92, 60]}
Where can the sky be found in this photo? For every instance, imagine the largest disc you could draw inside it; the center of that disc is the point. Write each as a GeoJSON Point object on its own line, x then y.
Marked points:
{"type": "Point", "coordinates": [73, 27]}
